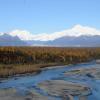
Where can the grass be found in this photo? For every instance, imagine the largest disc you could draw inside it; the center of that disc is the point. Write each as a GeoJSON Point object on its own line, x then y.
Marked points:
{"type": "Point", "coordinates": [15, 69]}
{"type": "Point", "coordinates": [22, 60]}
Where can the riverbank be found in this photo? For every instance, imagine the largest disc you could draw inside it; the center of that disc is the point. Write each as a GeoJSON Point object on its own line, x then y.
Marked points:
{"type": "Point", "coordinates": [10, 71]}
{"type": "Point", "coordinates": [28, 60]}
{"type": "Point", "coordinates": [54, 80]}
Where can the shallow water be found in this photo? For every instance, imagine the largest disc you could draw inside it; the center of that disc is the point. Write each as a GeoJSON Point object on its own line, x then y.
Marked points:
{"type": "Point", "coordinates": [24, 83]}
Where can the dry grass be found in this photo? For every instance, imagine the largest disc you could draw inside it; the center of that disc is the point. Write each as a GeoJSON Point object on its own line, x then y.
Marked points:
{"type": "Point", "coordinates": [21, 60]}
{"type": "Point", "coordinates": [11, 70]}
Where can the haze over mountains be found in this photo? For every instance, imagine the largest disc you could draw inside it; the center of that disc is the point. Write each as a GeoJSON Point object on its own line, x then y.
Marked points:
{"type": "Point", "coordinates": [78, 36]}
{"type": "Point", "coordinates": [8, 40]}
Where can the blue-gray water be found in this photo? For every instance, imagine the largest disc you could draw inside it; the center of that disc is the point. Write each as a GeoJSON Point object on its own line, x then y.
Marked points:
{"type": "Point", "coordinates": [24, 83]}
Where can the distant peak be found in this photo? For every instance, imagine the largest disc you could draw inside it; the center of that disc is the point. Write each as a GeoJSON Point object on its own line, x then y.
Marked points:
{"type": "Point", "coordinates": [77, 30]}
{"type": "Point", "coordinates": [78, 26]}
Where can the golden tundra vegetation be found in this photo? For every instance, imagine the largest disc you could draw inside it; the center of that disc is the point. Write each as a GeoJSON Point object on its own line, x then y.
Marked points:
{"type": "Point", "coordinates": [21, 60]}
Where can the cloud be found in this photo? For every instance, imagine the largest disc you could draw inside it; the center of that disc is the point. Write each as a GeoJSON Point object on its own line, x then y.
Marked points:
{"type": "Point", "coordinates": [77, 30]}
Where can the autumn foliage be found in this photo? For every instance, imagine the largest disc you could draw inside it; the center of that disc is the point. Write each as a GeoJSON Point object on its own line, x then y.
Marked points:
{"type": "Point", "coordinates": [34, 55]}
{"type": "Point", "coordinates": [16, 60]}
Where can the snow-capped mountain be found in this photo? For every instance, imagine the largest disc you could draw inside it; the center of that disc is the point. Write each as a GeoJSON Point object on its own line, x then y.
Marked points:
{"type": "Point", "coordinates": [76, 31]}
{"type": "Point", "coordinates": [76, 36]}
{"type": "Point", "coordinates": [8, 40]}
{"type": "Point", "coordinates": [80, 41]}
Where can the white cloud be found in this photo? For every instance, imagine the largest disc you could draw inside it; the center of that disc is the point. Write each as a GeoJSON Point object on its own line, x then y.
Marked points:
{"type": "Point", "coordinates": [77, 30]}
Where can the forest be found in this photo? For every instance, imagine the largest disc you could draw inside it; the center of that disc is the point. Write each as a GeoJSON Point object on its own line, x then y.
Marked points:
{"type": "Point", "coordinates": [21, 60]}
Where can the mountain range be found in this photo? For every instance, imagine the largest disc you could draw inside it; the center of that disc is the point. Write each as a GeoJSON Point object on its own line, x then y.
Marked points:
{"type": "Point", "coordinates": [81, 41]}
{"type": "Point", "coordinates": [8, 40]}
{"type": "Point", "coordinates": [66, 41]}
{"type": "Point", "coordinates": [78, 36]}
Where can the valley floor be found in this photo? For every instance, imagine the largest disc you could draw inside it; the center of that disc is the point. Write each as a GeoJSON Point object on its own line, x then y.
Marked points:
{"type": "Point", "coordinates": [72, 82]}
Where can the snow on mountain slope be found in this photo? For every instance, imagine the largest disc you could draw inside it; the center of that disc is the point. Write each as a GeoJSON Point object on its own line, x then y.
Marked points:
{"type": "Point", "coordinates": [76, 31]}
